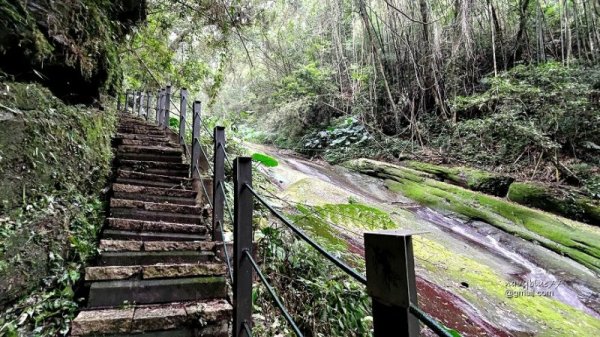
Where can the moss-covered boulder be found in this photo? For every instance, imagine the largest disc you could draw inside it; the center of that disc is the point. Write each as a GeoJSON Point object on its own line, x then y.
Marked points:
{"type": "Point", "coordinates": [576, 240]}
{"type": "Point", "coordinates": [473, 179]}
{"type": "Point", "coordinates": [54, 160]}
{"type": "Point", "coordinates": [72, 47]}
{"type": "Point", "coordinates": [565, 202]}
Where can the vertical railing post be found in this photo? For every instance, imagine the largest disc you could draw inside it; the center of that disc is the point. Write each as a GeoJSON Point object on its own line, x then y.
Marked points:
{"type": "Point", "coordinates": [141, 105]}
{"type": "Point", "coordinates": [196, 107]}
{"type": "Point", "coordinates": [119, 101]}
{"type": "Point", "coordinates": [182, 117]}
{"type": "Point", "coordinates": [134, 97]}
{"type": "Point", "coordinates": [126, 108]}
{"type": "Point", "coordinates": [148, 95]}
{"type": "Point", "coordinates": [218, 181]}
{"type": "Point", "coordinates": [391, 282]}
{"type": "Point", "coordinates": [167, 107]}
{"type": "Point", "coordinates": [161, 109]}
{"type": "Point", "coordinates": [242, 243]}
{"type": "Point", "coordinates": [157, 110]}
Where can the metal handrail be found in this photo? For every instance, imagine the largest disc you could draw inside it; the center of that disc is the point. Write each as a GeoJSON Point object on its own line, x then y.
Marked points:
{"type": "Point", "coordinates": [428, 321]}
{"type": "Point", "coordinates": [360, 278]}
{"type": "Point", "coordinates": [271, 291]}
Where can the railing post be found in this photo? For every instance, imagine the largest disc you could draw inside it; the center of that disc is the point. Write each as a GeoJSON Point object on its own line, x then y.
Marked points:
{"type": "Point", "coordinates": [118, 101]}
{"type": "Point", "coordinates": [182, 112]}
{"type": "Point", "coordinates": [242, 242]}
{"type": "Point", "coordinates": [133, 94]}
{"type": "Point", "coordinates": [161, 108]}
{"type": "Point", "coordinates": [391, 282]}
{"type": "Point", "coordinates": [195, 139]}
{"type": "Point", "coordinates": [157, 110]}
{"type": "Point", "coordinates": [167, 107]}
{"type": "Point", "coordinates": [147, 104]}
{"type": "Point", "coordinates": [140, 104]}
{"type": "Point", "coordinates": [218, 179]}
{"type": "Point", "coordinates": [126, 108]}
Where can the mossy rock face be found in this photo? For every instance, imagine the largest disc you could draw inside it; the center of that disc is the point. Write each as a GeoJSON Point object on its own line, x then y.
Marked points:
{"type": "Point", "coordinates": [72, 47]}
{"type": "Point", "coordinates": [476, 180]}
{"type": "Point", "coordinates": [578, 241]}
{"type": "Point", "coordinates": [54, 160]}
{"type": "Point", "coordinates": [569, 204]}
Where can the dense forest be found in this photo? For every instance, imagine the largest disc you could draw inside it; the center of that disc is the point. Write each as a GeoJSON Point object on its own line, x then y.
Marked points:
{"type": "Point", "coordinates": [482, 115]}
{"type": "Point", "coordinates": [507, 85]}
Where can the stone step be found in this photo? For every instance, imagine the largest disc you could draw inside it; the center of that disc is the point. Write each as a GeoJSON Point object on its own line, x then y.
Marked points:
{"type": "Point", "coordinates": [120, 292]}
{"type": "Point", "coordinates": [154, 191]}
{"type": "Point", "coordinates": [151, 236]}
{"type": "Point", "coordinates": [142, 258]}
{"type": "Point", "coordinates": [149, 157]}
{"type": "Point", "coordinates": [155, 198]}
{"type": "Point", "coordinates": [150, 183]}
{"type": "Point", "coordinates": [153, 271]}
{"type": "Point", "coordinates": [145, 215]}
{"type": "Point", "coordinates": [155, 226]}
{"type": "Point", "coordinates": [142, 131]}
{"type": "Point", "coordinates": [158, 246]}
{"type": "Point", "coordinates": [173, 180]}
{"type": "Point", "coordinates": [152, 142]}
{"type": "Point", "coordinates": [134, 136]}
{"type": "Point", "coordinates": [155, 207]}
{"type": "Point", "coordinates": [186, 319]}
{"type": "Point", "coordinates": [150, 149]}
{"type": "Point", "coordinates": [159, 168]}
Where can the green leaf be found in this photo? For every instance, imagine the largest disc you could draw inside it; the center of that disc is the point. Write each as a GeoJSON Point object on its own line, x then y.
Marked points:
{"type": "Point", "coordinates": [265, 160]}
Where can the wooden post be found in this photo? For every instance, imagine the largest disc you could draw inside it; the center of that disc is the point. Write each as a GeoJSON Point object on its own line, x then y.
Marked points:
{"type": "Point", "coordinates": [182, 112]}
{"type": "Point", "coordinates": [391, 282]}
{"type": "Point", "coordinates": [141, 104]}
{"type": "Point", "coordinates": [242, 242]}
{"type": "Point", "coordinates": [167, 107]}
{"type": "Point", "coordinates": [119, 101]}
{"type": "Point", "coordinates": [218, 181]}
{"type": "Point", "coordinates": [147, 104]}
{"type": "Point", "coordinates": [196, 107]}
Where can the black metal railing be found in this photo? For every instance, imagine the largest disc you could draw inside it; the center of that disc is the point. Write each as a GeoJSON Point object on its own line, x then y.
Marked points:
{"type": "Point", "coordinates": [390, 277]}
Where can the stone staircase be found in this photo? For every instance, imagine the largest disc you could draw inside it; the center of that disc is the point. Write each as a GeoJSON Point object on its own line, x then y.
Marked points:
{"type": "Point", "coordinates": [158, 272]}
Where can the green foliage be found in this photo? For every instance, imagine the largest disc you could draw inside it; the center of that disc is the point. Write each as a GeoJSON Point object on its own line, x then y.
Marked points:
{"type": "Point", "coordinates": [267, 161]}
{"type": "Point", "coordinates": [540, 109]}
{"type": "Point", "coordinates": [323, 300]}
{"type": "Point", "coordinates": [52, 170]}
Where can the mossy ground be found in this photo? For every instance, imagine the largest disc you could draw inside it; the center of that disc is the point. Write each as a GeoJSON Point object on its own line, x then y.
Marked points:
{"type": "Point", "coordinates": [52, 174]}
{"type": "Point", "coordinates": [576, 240]}
{"type": "Point", "coordinates": [447, 266]}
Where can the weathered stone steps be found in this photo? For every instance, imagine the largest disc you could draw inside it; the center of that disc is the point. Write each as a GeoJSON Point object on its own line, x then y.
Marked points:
{"type": "Point", "coordinates": [119, 292]}
{"type": "Point", "coordinates": [172, 320]}
{"type": "Point", "coordinates": [158, 273]}
{"type": "Point", "coordinates": [151, 236]}
{"type": "Point", "coordinates": [158, 257]}
{"type": "Point", "coordinates": [155, 226]}
{"type": "Point", "coordinates": [153, 271]}
{"type": "Point", "coordinates": [166, 216]}
{"type": "Point", "coordinates": [157, 207]}
{"type": "Point", "coordinates": [124, 174]}
{"type": "Point", "coordinates": [156, 246]}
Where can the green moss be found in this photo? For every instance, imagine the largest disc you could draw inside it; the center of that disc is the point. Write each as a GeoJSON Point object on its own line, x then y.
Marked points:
{"type": "Point", "coordinates": [476, 180]}
{"type": "Point", "coordinates": [328, 220]}
{"type": "Point", "coordinates": [571, 205]}
{"type": "Point", "coordinates": [578, 241]}
{"type": "Point", "coordinates": [51, 175]}
{"type": "Point", "coordinates": [552, 316]}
